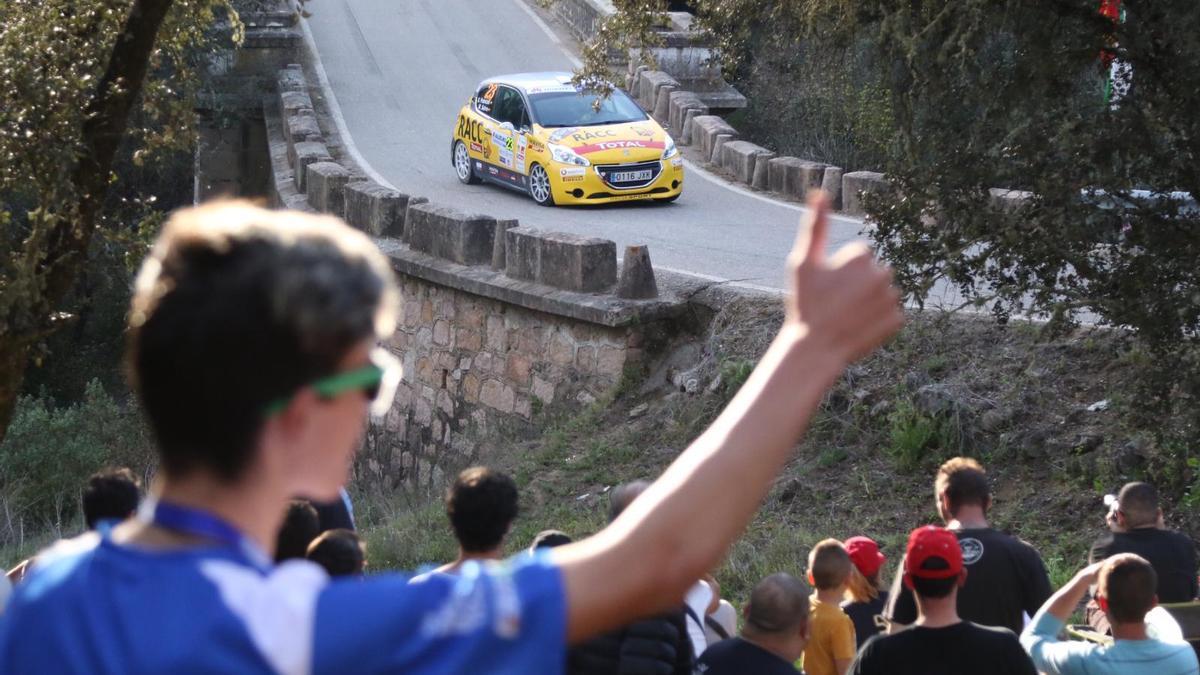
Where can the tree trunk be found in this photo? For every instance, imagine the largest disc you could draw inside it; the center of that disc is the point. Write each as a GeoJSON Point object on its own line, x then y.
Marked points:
{"type": "Point", "coordinates": [68, 240]}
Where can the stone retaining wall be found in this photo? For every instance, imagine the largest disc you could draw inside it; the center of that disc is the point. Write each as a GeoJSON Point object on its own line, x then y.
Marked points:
{"type": "Point", "coordinates": [497, 320]}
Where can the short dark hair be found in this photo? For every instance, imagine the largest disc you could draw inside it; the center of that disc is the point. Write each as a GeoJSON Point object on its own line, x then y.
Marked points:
{"type": "Point", "coordinates": [933, 588]}
{"type": "Point", "coordinates": [623, 495]}
{"type": "Point", "coordinates": [111, 494]}
{"type": "Point", "coordinates": [1129, 584]}
{"type": "Point", "coordinates": [550, 539]}
{"type": "Point", "coordinates": [237, 307]}
{"type": "Point", "coordinates": [964, 482]}
{"type": "Point", "coordinates": [778, 604]}
{"type": "Point", "coordinates": [300, 527]}
{"type": "Point", "coordinates": [482, 505]}
{"type": "Point", "coordinates": [1139, 502]}
{"type": "Point", "coordinates": [341, 552]}
{"type": "Point", "coordinates": [829, 564]}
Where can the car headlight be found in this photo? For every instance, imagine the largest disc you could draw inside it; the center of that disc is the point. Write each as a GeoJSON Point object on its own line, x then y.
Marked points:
{"type": "Point", "coordinates": [669, 149]}
{"type": "Point", "coordinates": [566, 155]}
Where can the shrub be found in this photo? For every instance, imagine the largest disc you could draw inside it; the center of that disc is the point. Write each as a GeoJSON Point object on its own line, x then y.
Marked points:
{"type": "Point", "coordinates": [50, 451]}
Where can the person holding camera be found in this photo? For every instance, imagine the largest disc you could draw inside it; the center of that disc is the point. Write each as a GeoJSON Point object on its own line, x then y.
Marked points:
{"type": "Point", "coordinates": [1136, 526]}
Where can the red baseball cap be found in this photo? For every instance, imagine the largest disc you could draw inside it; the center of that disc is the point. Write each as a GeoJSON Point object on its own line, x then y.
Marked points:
{"type": "Point", "coordinates": [865, 555]}
{"type": "Point", "coordinates": [933, 542]}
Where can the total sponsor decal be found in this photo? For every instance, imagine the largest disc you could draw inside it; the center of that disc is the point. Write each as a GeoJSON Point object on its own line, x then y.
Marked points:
{"type": "Point", "coordinates": [618, 145]}
{"type": "Point", "coordinates": [572, 174]}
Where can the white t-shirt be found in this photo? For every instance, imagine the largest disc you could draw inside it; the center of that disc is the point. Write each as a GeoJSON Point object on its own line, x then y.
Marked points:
{"type": "Point", "coordinates": [697, 599]}
{"type": "Point", "coordinates": [726, 616]}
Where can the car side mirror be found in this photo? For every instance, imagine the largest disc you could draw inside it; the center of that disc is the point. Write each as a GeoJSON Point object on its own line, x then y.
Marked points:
{"type": "Point", "coordinates": [525, 129]}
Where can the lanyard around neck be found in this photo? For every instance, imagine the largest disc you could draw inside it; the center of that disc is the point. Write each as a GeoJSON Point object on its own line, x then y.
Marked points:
{"type": "Point", "coordinates": [204, 525]}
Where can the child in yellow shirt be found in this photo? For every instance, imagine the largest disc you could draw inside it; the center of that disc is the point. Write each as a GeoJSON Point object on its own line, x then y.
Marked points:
{"type": "Point", "coordinates": [831, 645]}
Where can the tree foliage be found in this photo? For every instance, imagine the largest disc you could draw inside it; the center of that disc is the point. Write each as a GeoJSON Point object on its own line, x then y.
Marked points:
{"type": "Point", "coordinates": [1016, 94]}
{"type": "Point", "coordinates": [73, 74]}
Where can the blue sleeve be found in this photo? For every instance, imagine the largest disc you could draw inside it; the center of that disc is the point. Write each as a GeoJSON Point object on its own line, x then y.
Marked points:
{"type": "Point", "coordinates": [506, 618]}
{"type": "Point", "coordinates": [1051, 655]}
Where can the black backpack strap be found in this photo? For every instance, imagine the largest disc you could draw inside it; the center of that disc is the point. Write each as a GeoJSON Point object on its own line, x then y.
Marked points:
{"type": "Point", "coordinates": [716, 627]}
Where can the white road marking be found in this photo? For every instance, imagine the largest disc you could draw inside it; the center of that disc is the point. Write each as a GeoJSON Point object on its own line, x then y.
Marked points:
{"type": "Point", "coordinates": [335, 111]}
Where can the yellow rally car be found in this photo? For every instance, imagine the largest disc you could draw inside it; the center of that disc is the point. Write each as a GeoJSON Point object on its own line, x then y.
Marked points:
{"type": "Point", "coordinates": [539, 134]}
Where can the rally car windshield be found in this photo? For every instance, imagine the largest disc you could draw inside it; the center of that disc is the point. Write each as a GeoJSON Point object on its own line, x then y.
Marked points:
{"type": "Point", "coordinates": [573, 109]}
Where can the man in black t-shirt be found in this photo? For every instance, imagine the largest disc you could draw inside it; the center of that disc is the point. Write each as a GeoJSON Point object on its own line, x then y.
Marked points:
{"type": "Point", "coordinates": [774, 636]}
{"type": "Point", "coordinates": [1006, 578]}
{"type": "Point", "coordinates": [940, 643]}
{"type": "Point", "coordinates": [1136, 526]}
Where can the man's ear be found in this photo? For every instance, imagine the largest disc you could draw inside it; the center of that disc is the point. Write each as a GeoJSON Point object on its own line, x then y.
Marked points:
{"type": "Point", "coordinates": [987, 504]}
{"type": "Point", "coordinates": [805, 631]}
{"type": "Point", "coordinates": [962, 578]}
{"type": "Point", "coordinates": [1154, 602]}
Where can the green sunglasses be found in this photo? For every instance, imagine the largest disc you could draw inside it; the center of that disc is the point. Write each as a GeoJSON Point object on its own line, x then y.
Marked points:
{"type": "Point", "coordinates": [378, 380]}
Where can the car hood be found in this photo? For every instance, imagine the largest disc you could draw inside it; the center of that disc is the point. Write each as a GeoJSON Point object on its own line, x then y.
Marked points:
{"type": "Point", "coordinates": [610, 143]}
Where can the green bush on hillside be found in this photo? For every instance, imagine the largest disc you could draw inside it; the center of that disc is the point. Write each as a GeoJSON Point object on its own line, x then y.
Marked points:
{"type": "Point", "coordinates": [50, 450]}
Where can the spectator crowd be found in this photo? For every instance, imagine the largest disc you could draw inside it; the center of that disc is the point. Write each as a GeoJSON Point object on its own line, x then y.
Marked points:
{"type": "Point", "coordinates": [223, 568]}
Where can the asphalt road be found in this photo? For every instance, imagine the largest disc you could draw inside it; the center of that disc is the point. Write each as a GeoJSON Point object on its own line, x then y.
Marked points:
{"type": "Point", "coordinates": [401, 69]}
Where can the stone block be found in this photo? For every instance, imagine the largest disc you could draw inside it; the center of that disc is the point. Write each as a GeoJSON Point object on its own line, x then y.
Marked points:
{"type": "Point", "coordinates": [740, 157]}
{"type": "Point", "coordinates": [543, 389]}
{"type": "Point", "coordinates": [523, 253]}
{"type": "Point", "coordinates": [445, 232]}
{"type": "Point", "coordinates": [760, 171]}
{"type": "Point", "coordinates": [517, 368]}
{"type": "Point", "coordinates": [858, 183]}
{"type": "Point", "coordinates": [300, 128]}
{"type": "Point", "coordinates": [715, 157]}
{"type": "Point", "coordinates": [574, 263]}
{"type": "Point", "coordinates": [831, 184]}
{"type": "Point", "coordinates": [649, 85]}
{"type": "Point", "coordinates": [500, 243]}
{"type": "Point", "coordinates": [561, 351]}
{"type": "Point", "coordinates": [585, 359]}
{"type": "Point", "coordinates": [325, 184]}
{"type": "Point", "coordinates": [291, 78]}
{"type": "Point", "coordinates": [686, 131]}
{"type": "Point", "coordinates": [662, 104]}
{"type": "Point", "coordinates": [376, 209]}
{"type": "Point", "coordinates": [637, 275]}
{"type": "Point", "coordinates": [498, 396]}
{"type": "Point", "coordinates": [705, 131]}
{"type": "Point", "coordinates": [495, 335]}
{"type": "Point", "coordinates": [293, 102]}
{"type": "Point", "coordinates": [778, 169]}
{"type": "Point", "coordinates": [680, 101]}
{"type": "Point", "coordinates": [610, 362]}
{"type": "Point", "coordinates": [308, 153]}
{"type": "Point", "coordinates": [795, 177]}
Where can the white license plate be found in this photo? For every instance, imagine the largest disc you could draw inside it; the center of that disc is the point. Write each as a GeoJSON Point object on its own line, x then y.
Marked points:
{"type": "Point", "coordinates": [630, 176]}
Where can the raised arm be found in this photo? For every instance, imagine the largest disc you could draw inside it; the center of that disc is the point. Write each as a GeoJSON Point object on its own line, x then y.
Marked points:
{"type": "Point", "coordinates": [838, 309]}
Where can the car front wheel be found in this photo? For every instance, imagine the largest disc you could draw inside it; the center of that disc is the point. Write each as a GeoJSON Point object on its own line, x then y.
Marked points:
{"type": "Point", "coordinates": [539, 186]}
{"type": "Point", "coordinates": [462, 165]}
